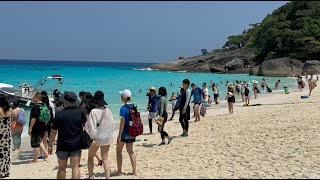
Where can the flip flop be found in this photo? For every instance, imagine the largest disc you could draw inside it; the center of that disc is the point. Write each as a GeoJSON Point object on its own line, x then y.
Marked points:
{"type": "Point", "coordinates": [169, 140]}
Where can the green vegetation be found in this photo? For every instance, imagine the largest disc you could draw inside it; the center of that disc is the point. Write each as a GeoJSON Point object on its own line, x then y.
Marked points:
{"type": "Point", "coordinates": [204, 51]}
{"type": "Point", "coordinates": [292, 30]}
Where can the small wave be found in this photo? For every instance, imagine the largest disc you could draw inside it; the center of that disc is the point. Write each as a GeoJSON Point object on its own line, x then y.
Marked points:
{"type": "Point", "coordinates": [182, 71]}
{"type": "Point", "coordinates": [41, 69]}
{"type": "Point", "coordinates": [145, 69]}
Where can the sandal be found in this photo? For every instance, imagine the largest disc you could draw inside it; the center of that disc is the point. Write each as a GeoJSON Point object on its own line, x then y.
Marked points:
{"type": "Point", "coordinates": [169, 140]}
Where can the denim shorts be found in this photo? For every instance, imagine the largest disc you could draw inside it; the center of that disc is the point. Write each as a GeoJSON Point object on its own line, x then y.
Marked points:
{"type": "Point", "coordinates": [63, 155]}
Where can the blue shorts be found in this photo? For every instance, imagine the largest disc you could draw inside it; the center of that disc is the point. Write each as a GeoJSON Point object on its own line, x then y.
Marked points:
{"type": "Point", "coordinates": [63, 155]}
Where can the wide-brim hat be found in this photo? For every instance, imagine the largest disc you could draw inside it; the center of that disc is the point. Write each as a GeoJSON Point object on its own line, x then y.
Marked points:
{"type": "Point", "coordinates": [98, 99]}
{"type": "Point", "coordinates": [153, 88]}
{"type": "Point", "coordinates": [255, 81]}
{"type": "Point", "coordinates": [69, 99]}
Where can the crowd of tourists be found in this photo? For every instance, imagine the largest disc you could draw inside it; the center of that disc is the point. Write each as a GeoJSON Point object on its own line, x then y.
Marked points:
{"type": "Point", "coordinates": [88, 123]}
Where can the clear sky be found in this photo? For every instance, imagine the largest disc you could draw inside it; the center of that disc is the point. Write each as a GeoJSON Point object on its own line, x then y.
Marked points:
{"type": "Point", "coordinates": [122, 31]}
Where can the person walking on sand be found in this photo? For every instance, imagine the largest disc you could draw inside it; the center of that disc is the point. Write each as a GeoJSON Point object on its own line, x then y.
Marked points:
{"type": "Point", "coordinates": [152, 105]}
{"type": "Point", "coordinates": [124, 138]}
{"type": "Point", "coordinates": [68, 124]}
{"type": "Point", "coordinates": [246, 92]}
{"type": "Point", "coordinates": [312, 85]}
{"type": "Point", "coordinates": [301, 83]}
{"type": "Point", "coordinates": [238, 87]}
{"type": "Point", "coordinates": [173, 100]}
{"type": "Point", "coordinates": [197, 94]}
{"type": "Point", "coordinates": [37, 128]}
{"type": "Point", "coordinates": [205, 99]}
{"type": "Point", "coordinates": [162, 108]}
{"type": "Point", "coordinates": [255, 88]}
{"type": "Point", "coordinates": [184, 108]}
{"type": "Point", "coordinates": [99, 127]}
{"type": "Point", "coordinates": [5, 139]}
{"type": "Point", "coordinates": [86, 105]}
{"type": "Point", "coordinates": [242, 89]}
{"type": "Point", "coordinates": [16, 127]}
{"type": "Point", "coordinates": [231, 100]}
{"type": "Point", "coordinates": [215, 92]}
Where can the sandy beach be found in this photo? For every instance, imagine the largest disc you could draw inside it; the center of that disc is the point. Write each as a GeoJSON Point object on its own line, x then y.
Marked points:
{"type": "Point", "coordinates": [279, 139]}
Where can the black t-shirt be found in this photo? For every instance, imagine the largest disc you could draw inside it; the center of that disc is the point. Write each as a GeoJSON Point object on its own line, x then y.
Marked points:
{"type": "Point", "coordinates": [39, 127]}
{"type": "Point", "coordinates": [69, 122]}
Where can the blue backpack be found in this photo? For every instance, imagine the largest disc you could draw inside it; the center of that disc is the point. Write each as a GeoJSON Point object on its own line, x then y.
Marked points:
{"type": "Point", "coordinates": [21, 118]}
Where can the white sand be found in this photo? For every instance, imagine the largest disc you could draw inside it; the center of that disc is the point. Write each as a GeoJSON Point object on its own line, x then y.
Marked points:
{"type": "Point", "coordinates": [268, 141]}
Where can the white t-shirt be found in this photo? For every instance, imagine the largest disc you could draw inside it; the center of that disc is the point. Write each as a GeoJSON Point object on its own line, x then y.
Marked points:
{"type": "Point", "coordinates": [206, 94]}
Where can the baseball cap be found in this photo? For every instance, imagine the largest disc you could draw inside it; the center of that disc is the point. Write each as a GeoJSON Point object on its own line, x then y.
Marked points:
{"type": "Point", "coordinates": [126, 93]}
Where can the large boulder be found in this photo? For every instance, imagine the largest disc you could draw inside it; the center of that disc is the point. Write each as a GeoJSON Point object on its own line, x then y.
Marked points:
{"type": "Point", "coordinates": [235, 64]}
{"type": "Point", "coordinates": [280, 67]}
{"type": "Point", "coordinates": [311, 67]}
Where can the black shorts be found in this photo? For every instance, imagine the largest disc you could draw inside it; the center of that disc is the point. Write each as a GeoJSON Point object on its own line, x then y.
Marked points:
{"type": "Point", "coordinates": [127, 141]}
{"type": "Point", "coordinates": [215, 96]}
{"type": "Point", "coordinates": [185, 116]}
{"type": "Point", "coordinates": [36, 139]}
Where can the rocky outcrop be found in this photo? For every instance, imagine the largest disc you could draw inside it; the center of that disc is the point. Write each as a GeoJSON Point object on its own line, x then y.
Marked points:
{"type": "Point", "coordinates": [235, 64]}
{"type": "Point", "coordinates": [280, 67]}
{"type": "Point", "coordinates": [311, 67]}
{"type": "Point", "coordinates": [214, 62]}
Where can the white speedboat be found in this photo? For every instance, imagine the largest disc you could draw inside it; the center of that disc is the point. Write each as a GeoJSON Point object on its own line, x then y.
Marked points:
{"type": "Point", "coordinates": [25, 91]}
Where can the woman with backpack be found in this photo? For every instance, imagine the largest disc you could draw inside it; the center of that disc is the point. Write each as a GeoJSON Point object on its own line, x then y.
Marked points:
{"type": "Point", "coordinates": [99, 126]}
{"type": "Point", "coordinates": [17, 121]}
{"type": "Point", "coordinates": [5, 139]}
{"type": "Point", "coordinates": [162, 109]}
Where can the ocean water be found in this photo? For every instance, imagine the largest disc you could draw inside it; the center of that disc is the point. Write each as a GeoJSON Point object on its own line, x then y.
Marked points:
{"type": "Point", "coordinates": [114, 77]}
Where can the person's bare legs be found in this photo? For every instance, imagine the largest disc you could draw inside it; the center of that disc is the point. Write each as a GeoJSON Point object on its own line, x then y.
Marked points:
{"type": "Point", "coordinates": [229, 106]}
{"type": "Point", "coordinates": [105, 160]}
{"type": "Point", "coordinates": [91, 153]}
{"type": "Point", "coordinates": [62, 169]}
{"type": "Point", "coordinates": [75, 163]}
{"type": "Point", "coordinates": [35, 155]}
{"type": "Point", "coordinates": [43, 151]}
{"type": "Point", "coordinates": [196, 112]}
{"type": "Point", "coordinates": [120, 146]}
{"type": "Point", "coordinates": [44, 141]}
{"type": "Point", "coordinates": [132, 158]}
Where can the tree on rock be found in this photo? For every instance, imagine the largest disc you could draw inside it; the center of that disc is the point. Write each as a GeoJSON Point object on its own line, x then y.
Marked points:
{"type": "Point", "coordinates": [204, 51]}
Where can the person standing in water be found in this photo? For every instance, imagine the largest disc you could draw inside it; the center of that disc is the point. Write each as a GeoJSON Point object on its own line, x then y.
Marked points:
{"type": "Point", "coordinates": [215, 92]}
{"type": "Point", "coordinates": [152, 105]}
{"type": "Point", "coordinates": [162, 108]}
{"type": "Point", "coordinates": [263, 84]}
{"type": "Point", "coordinates": [277, 84]}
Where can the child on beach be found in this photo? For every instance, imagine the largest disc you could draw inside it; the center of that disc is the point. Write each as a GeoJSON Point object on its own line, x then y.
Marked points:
{"type": "Point", "coordinates": [277, 84]}
{"type": "Point", "coordinates": [231, 100]}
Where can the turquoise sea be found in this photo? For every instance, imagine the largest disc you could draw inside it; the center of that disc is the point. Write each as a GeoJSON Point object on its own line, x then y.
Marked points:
{"type": "Point", "coordinates": [114, 77]}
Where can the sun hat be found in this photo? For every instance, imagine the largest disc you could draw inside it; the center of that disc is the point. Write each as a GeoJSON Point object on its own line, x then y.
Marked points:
{"type": "Point", "coordinates": [255, 81]}
{"type": "Point", "coordinates": [98, 99]}
{"type": "Point", "coordinates": [153, 88]}
{"type": "Point", "coordinates": [126, 93]}
{"type": "Point", "coordinates": [69, 99]}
